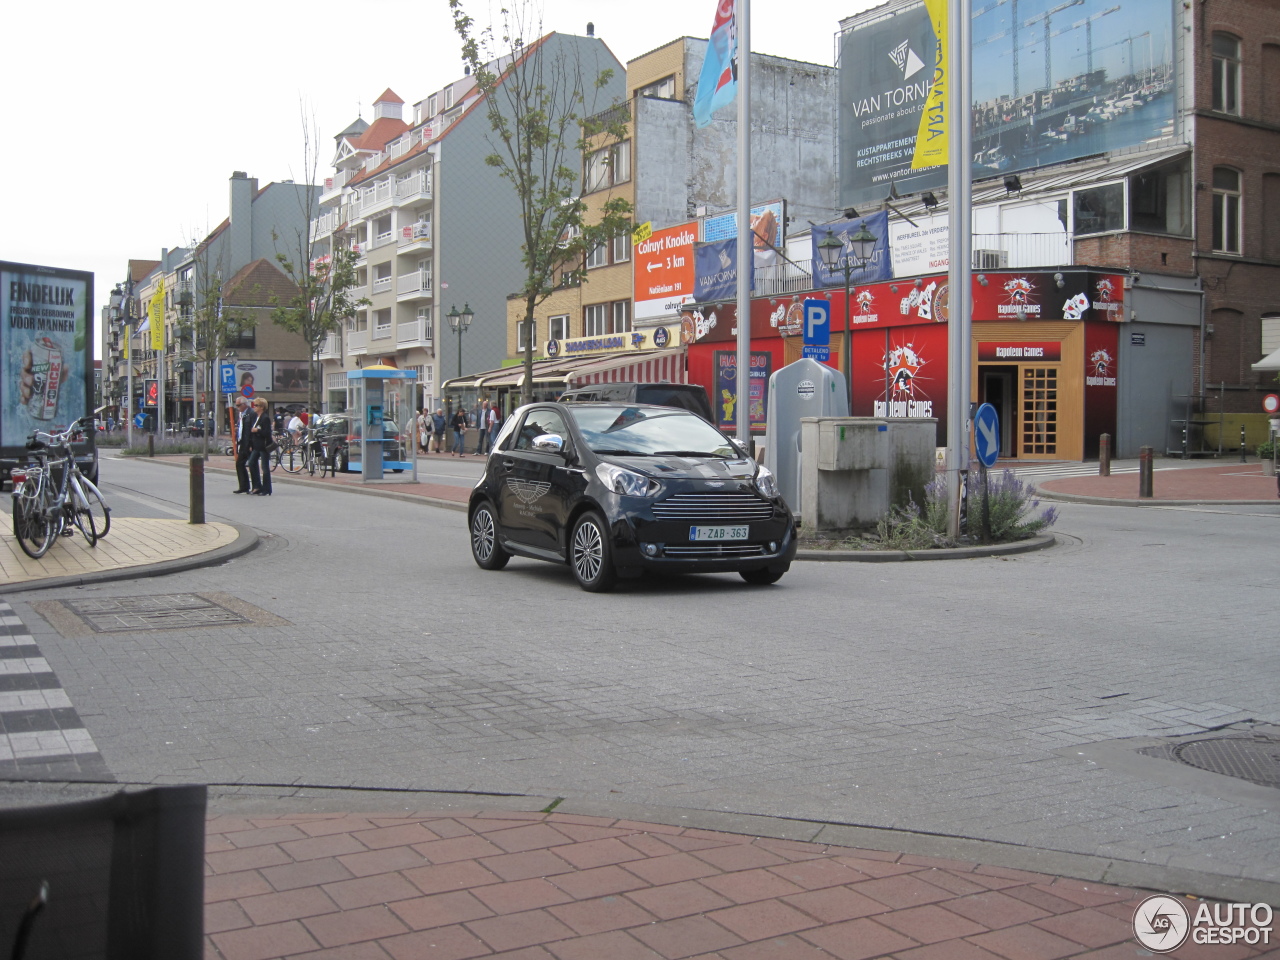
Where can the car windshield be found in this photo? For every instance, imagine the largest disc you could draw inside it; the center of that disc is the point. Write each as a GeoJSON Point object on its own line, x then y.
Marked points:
{"type": "Point", "coordinates": [620, 430]}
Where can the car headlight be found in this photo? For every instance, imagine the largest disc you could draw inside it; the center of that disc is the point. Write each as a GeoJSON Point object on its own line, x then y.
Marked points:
{"type": "Point", "coordinates": [626, 482]}
{"type": "Point", "coordinates": [767, 483]}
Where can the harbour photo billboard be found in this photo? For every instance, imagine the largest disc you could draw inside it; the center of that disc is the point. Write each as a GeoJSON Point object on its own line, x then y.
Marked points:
{"type": "Point", "coordinates": [1053, 81]}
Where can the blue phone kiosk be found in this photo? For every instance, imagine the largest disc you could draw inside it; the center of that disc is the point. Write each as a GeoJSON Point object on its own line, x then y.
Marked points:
{"type": "Point", "coordinates": [382, 398]}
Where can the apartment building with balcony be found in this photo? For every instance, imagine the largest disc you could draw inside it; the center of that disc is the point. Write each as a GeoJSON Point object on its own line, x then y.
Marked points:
{"type": "Point", "coordinates": [434, 227]}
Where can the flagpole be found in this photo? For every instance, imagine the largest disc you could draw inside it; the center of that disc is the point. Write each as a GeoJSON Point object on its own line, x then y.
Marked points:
{"type": "Point", "coordinates": [960, 239]}
{"type": "Point", "coordinates": [746, 242]}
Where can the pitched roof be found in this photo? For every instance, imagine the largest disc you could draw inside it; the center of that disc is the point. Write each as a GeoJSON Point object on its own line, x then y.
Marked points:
{"type": "Point", "coordinates": [356, 127]}
{"type": "Point", "coordinates": [388, 96]}
{"type": "Point", "coordinates": [140, 269]}
{"type": "Point", "coordinates": [256, 283]}
{"type": "Point", "coordinates": [381, 132]}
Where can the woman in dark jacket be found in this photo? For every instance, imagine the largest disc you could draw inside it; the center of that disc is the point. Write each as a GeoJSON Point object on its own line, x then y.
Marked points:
{"type": "Point", "coordinates": [259, 430]}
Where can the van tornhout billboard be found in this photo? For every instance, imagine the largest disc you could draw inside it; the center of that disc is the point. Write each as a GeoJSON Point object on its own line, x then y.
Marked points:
{"type": "Point", "coordinates": [44, 337]}
{"type": "Point", "coordinates": [1053, 81]}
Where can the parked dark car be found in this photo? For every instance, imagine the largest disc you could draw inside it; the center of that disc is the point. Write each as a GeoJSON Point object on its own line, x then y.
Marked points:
{"type": "Point", "coordinates": [331, 426]}
{"type": "Point", "coordinates": [686, 396]}
{"type": "Point", "coordinates": [616, 489]}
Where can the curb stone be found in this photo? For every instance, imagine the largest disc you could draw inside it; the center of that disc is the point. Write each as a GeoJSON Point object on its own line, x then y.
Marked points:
{"type": "Point", "coordinates": [1038, 542]}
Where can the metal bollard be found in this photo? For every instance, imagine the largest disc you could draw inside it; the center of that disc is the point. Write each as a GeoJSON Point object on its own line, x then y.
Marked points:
{"type": "Point", "coordinates": [1146, 466]}
{"type": "Point", "coordinates": [151, 444]}
{"type": "Point", "coordinates": [1104, 455]}
{"type": "Point", "coordinates": [1242, 456]}
{"type": "Point", "coordinates": [197, 490]}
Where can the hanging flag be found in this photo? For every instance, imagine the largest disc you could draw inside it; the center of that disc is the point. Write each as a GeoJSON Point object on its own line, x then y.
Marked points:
{"type": "Point", "coordinates": [718, 82]}
{"type": "Point", "coordinates": [157, 316]}
{"type": "Point", "coordinates": [931, 137]}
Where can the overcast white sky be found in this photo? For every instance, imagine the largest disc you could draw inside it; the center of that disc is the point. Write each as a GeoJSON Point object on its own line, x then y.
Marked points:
{"type": "Point", "coordinates": [123, 121]}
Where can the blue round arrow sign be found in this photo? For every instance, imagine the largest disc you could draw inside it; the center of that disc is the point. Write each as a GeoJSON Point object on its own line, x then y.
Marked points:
{"type": "Point", "coordinates": [986, 435]}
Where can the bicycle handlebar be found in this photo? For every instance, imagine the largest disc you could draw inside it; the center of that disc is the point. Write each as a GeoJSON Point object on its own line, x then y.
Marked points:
{"type": "Point", "coordinates": [41, 439]}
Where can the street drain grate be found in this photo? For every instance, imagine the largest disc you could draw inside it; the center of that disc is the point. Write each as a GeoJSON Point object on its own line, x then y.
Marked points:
{"type": "Point", "coordinates": [156, 612]}
{"type": "Point", "coordinates": [1254, 759]}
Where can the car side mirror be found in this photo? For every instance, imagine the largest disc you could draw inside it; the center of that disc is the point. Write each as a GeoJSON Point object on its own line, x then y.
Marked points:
{"type": "Point", "coordinates": [740, 447]}
{"type": "Point", "coordinates": [549, 443]}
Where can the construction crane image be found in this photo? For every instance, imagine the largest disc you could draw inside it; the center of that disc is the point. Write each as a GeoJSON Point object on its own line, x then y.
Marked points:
{"type": "Point", "coordinates": [1047, 17]}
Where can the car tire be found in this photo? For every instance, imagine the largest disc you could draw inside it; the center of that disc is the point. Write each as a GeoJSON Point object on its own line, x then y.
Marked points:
{"type": "Point", "coordinates": [590, 554]}
{"type": "Point", "coordinates": [485, 549]}
{"type": "Point", "coordinates": [761, 578]}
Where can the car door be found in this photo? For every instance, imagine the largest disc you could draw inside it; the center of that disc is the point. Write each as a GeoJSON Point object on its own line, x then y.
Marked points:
{"type": "Point", "coordinates": [536, 486]}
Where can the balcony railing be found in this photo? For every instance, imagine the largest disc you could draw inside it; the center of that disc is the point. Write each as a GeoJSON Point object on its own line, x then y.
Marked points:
{"type": "Point", "coordinates": [411, 284]}
{"type": "Point", "coordinates": [416, 233]}
{"type": "Point", "coordinates": [331, 347]}
{"type": "Point", "coordinates": [382, 239]}
{"type": "Point", "coordinates": [335, 183]}
{"type": "Point", "coordinates": [322, 226]}
{"type": "Point", "coordinates": [414, 187]}
{"type": "Point", "coordinates": [414, 332]}
{"type": "Point", "coordinates": [1018, 251]}
{"type": "Point", "coordinates": [373, 197]}
{"type": "Point", "coordinates": [357, 341]}
{"type": "Point", "coordinates": [381, 284]}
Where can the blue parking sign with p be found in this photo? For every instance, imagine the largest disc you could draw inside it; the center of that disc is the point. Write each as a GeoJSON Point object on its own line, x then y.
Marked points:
{"type": "Point", "coordinates": [817, 323]}
{"type": "Point", "coordinates": [228, 378]}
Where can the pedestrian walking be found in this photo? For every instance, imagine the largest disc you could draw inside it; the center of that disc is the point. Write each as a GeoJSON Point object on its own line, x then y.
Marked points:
{"type": "Point", "coordinates": [438, 426]}
{"type": "Point", "coordinates": [495, 424]}
{"type": "Point", "coordinates": [482, 428]}
{"type": "Point", "coordinates": [459, 424]}
{"type": "Point", "coordinates": [260, 443]}
{"type": "Point", "coordinates": [424, 430]}
{"type": "Point", "coordinates": [241, 437]}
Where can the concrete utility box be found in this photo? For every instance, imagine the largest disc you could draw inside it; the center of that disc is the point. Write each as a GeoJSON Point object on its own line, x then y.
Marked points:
{"type": "Point", "coordinates": [805, 388]}
{"type": "Point", "coordinates": [855, 469]}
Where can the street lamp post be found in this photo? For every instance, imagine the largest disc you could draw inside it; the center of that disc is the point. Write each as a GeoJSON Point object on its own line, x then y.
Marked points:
{"type": "Point", "coordinates": [863, 245]}
{"type": "Point", "coordinates": [459, 323]}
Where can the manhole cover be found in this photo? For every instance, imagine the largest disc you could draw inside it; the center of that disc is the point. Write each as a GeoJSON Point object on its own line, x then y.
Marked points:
{"type": "Point", "coordinates": [1256, 760]}
{"type": "Point", "coordinates": [156, 612]}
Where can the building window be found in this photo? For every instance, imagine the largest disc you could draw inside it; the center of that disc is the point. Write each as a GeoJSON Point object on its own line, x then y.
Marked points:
{"type": "Point", "coordinates": [1270, 333]}
{"type": "Point", "coordinates": [382, 321]}
{"type": "Point", "coordinates": [1160, 199]}
{"type": "Point", "coordinates": [246, 339]}
{"type": "Point", "coordinates": [1098, 209]}
{"type": "Point", "coordinates": [664, 89]}
{"type": "Point", "coordinates": [559, 327]}
{"type": "Point", "coordinates": [1226, 73]}
{"type": "Point", "coordinates": [620, 161]}
{"type": "Point", "coordinates": [522, 341]}
{"type": "Point", "coordinates": [433, 106]}
{"type": "Point", "coordinates": [596, 176]}
{"type": "Point", "coordinates": [1226, 210]}
{"type": "Point", "coordinates": [622, 248]}
{"type": "Point", "coordinates": [595, 318]}
{"type": "Point", "coordinates": [448, 98]}
{"type": "Point", "coordinates": [621, 316]}
{"type": "Point", "coordinates": [598, 255]}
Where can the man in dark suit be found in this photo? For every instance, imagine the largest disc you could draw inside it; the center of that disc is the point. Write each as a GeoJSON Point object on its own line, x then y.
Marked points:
{"type": "Point", "coordinates": [241, 436]}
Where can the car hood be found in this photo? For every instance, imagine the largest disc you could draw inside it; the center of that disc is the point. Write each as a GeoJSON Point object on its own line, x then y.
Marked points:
{"type": "Point", "coordinates": [687, 468]}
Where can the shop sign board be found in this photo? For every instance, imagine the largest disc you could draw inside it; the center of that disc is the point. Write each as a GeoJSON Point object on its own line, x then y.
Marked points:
{"type": "Point", "coordinates": [726, 388]}
{"type": "Point", "coordinates": [664, 272]}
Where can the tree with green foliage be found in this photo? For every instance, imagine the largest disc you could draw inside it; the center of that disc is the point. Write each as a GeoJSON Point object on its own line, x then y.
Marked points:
{"type": "Point", "coordinates": [324, 282]}
{"type": "Point", "coordinates": [545, 113]}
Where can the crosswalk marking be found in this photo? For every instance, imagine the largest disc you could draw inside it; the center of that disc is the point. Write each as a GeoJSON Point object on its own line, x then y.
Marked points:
{"type": "Point", "coordinates": [41, 735]}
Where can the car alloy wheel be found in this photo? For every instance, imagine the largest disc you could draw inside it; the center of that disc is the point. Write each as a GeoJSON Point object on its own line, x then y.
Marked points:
{"type": "Point", "coordinates": [486, 550]}
{"type": "Point", "coordinates": [590, 555]}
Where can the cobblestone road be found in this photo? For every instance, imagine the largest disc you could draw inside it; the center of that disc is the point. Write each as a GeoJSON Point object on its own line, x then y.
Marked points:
{"type": "Point", "coordinates": [961, 698]}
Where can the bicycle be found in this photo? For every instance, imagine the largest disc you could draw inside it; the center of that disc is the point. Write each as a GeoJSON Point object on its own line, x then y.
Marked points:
{"type": "Point", "coordinates": [305, 452]}
{"type": "Point", "coordinates": [51, 497]}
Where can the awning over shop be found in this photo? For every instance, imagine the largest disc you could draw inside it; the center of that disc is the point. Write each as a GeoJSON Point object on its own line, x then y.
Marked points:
{"type": "Point", "coordinates": [1270, 362]}
{"type": "Point", "coordinates": [647, 367]}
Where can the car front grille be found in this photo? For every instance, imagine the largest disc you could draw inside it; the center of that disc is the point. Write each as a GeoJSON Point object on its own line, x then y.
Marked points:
{"type": "Point", "coordinates": [713, 508]}
{"type": "Point", "coordinates": [714, 551]}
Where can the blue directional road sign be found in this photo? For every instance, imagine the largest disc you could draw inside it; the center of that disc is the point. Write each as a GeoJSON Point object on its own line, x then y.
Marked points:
{"type": "Point", "coordinates": [986, 433]}
{"type": "Point", "coordinates": [817, 329]}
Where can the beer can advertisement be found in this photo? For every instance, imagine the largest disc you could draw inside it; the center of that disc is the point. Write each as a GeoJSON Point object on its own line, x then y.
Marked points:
{"type": "Point", "coordinates": [44, 331]}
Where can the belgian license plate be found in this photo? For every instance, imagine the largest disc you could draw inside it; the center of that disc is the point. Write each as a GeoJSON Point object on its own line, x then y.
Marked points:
{"type": "Point", "coordinates": [719, 533]}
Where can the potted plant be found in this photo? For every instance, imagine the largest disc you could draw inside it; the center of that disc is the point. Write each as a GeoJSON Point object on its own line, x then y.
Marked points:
{"type": "Point", "coordinates": [1267, 454]}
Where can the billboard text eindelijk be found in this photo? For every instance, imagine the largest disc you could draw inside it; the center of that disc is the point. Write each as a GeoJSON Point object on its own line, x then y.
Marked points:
{"type": "Point", "coordinates": [1051, 84]}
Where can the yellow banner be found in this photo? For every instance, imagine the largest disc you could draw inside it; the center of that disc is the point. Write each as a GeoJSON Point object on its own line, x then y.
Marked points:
{"type": "Point", "coordinates": [931, 138]}
{"type": "Point", "coordinates": [157, 316]}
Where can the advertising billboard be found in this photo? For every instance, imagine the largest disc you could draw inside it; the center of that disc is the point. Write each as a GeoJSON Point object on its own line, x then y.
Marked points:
{"type": "Point", "coordinates": [768, 222]}
{"type": "Point", "coordinates": [664, 272]}
{"type": "Point", "coordinates": [256, 375]}
{"type": "Point", "coordinates": [1053, 81]}
{"type": "Point", "coordinates": [878, 267]}
{"type": "Point", "coordinates": [725, 394]}
{"type": "Point", "coordinates": [44, 349]}
{"type": "Point", "coordinates": [716, 271]}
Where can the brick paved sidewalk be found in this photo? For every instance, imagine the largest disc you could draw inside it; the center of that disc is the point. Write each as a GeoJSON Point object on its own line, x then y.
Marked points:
{"type": "Point", "coordinates": [535, 886]}
{"type": "Point", "coordinates": [1222, 482]}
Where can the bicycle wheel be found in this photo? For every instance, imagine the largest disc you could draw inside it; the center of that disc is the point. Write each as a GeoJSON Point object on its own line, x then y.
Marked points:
{"type": "Point", "coordinates": [99, 514]}
{"type": "Point", "coordinates": [311, 460]}
{"type": "Point", "coordinates": [291, 458]}
{"type": "Point", "coordinates": [32, 524]}
{"type": "Point", "coordinates": [78, 507]}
